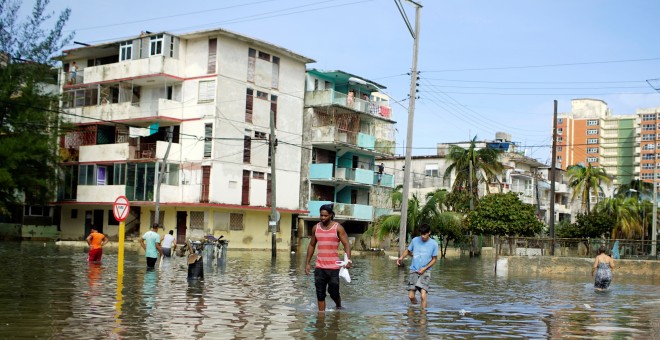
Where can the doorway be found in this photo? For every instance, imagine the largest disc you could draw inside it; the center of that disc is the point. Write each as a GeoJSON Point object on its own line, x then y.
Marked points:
{"type": "Point", "coordinates": [181, 219]}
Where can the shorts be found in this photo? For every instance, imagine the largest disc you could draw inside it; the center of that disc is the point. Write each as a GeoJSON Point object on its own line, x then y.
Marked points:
{"type": "Point", "coordinates": [94, 255]}
{"type": "Point", "coordinates": [326, 278]}
{"type": "Point", "coordinates": [167, 252]}
{"type": "Point", "coordinates": [419, 282]}
{"type": "Point", "coordinates": [151, 262]}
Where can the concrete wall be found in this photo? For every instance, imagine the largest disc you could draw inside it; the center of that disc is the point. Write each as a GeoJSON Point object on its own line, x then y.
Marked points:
{"type": "Point", "coordinates": [547, 265]}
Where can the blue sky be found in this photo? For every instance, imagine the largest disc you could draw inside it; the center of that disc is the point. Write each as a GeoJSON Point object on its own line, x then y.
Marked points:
{"type": "Point", "coordinates": [486, 66]}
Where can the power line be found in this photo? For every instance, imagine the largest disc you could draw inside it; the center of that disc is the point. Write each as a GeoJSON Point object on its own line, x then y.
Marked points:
{"type": "Point", "coordinates": [546, 65]}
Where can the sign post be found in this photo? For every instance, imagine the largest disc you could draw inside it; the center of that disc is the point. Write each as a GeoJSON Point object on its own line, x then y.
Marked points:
{"type": "Point", "coordinates": [120, 209]}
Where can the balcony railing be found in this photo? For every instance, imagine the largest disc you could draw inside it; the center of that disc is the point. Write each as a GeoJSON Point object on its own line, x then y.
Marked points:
{"type": "Point", "coordinates": [332, 97]}
{"type": "Point", "coordinates": [343, 210]}
{"type": "Point", "coordinates": [152, 66]}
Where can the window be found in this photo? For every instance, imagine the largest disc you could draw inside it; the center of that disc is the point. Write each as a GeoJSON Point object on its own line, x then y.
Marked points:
{"type": "Point", "coordinates": [125, 50]}
{"type": "Point", "coordinates": [249, 104]}
{"type": "Point", "coordinates": [86, 174]}
{"type": "Point", "coordinates": [647, 176]}
{"type": "Point", "coordinates": [431, 170]}
{"type": "Point", "coordinates": [258, 175]}
{"type": "Point", "coordinates": [275, 78]}
{"type": "Point", "coordinates": [648, 156]}
{"type": "Point", "coordinates": [560, 120]}
{"type": "Point", "coordinates": [235, 221]}
{"type": "Point", "coordinates": [213, 48]}
{"type": "Point", "coordinates": [119, 174]}
{"type": "Point", "coordinates": [196, 220]}
{"type": "Point", "coordinates": [648, 127]}
{"type": "Point", "coordinates": [101, 172]}
{"type": "Point", "coordinates": [208, 139]}
{"type": "Point", "coordinates": [262, 95]}
{"type": "Point", "coordinates": [648, 147]}
{"type": "Point", "coordinates": [247, 146]}
{"type": "Point", "coordinates": [206, 91]}
{"type": "Point", "coordinates": [171, 174]}
{"type": "Point", "coordinates": [648, 136]}
{"type": "Point", "coordinates": [560, 131]}
{"type": "Point", "coordinates": [36, 210]}
{"type": "Point", "coordinates": [273, 107]}
{"type": "Point", "coordinates": [252, 54]}
{"type": "Point", "coordinates": [648, 116]}
{"type": "Point", "coordinates": [592, 140]}
{"type": "Point", "coordinates": [592, 159]}
{"type": "Point", "coordinates": [592, 132]}
{"type": "Point", "coordinates": [560, 139]}
{"type": "Point", "coordinates": [156, 45]}
{"type": "Point", "coordinates": [264, 56]}
{"type": "Point", "coordinates": [259, 135]}
{"type": "Point", "coordinates": [559, 159]}
{"type": "Point", "coordinates": [647, 166]}
{"type": "Point", "coordinates": [559, 148]}
{"type": "Point", "coordinates": [592, 150]}
{"type": "Point", "coordinates": [171, 46]}
{"type": "Point", "coordinates": [592, 122]}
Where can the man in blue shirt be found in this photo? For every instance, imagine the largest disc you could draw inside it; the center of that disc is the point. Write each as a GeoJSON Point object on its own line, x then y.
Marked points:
{"type": "Point", "coordinates": [150, 242]}
{"type": "Point", "coordinates": [424, 252]}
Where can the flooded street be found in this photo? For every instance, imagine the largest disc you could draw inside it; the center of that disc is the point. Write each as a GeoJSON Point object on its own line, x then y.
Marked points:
{"type": "Point", "coordinates": [52, 292]}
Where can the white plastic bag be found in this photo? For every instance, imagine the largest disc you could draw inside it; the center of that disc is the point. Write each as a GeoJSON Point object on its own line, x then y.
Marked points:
{"type": "Point", "coordinates": [343, 272]}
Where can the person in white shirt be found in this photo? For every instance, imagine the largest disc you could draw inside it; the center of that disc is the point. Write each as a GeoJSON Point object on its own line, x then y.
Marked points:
{"type": "Point", "coordinates": [168, 243]}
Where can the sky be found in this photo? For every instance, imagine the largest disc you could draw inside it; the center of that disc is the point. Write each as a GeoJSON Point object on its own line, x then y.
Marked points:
{"type": "Point", "coordinates": [485, 66]}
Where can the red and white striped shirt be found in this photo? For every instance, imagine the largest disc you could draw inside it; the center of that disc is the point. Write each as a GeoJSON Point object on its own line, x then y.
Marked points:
{"type": "Point", "coordinates": [327, 243]}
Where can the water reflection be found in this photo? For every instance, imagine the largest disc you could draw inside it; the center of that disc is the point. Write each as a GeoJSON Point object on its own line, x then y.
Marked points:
{"type": "Point", "coordinates": [54, 293]}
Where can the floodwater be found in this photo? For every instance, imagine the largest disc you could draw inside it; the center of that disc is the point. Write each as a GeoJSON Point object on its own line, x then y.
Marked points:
{"type": "Point", "coordinates": [52, 292]}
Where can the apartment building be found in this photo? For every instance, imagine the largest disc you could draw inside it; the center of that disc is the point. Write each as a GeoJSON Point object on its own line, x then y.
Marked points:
{"type": "Point", "coordinates": [348, 124]}
{"type": "Point", "coordinates": [579, 133]}
{"type": "Point", "coordinates": [191, 111]}
{"type": "Point", "coordinates": [521, 174]}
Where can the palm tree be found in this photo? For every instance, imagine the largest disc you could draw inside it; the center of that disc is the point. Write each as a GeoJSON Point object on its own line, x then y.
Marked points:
{"type": "Point", "coordinates": [586, 181]}
{"type": "Point", "coordinates": [438, 198]}
{"type": "Point", "coordinates": [638, 188]}
{"type": "Point", "coordinates": [418, 214]}
{"type": "Point", "coordinates": [627, 216]}
{"type": "Point", "coordinates": [473, 166]}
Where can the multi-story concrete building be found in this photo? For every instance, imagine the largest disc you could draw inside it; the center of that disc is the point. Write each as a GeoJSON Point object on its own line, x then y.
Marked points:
{"type": "Point", "coordinates": [625, 146]}
{"type": "Point", "coordinates": [348, 124]}
{"type": "Point", "coordinates": [194, 108]}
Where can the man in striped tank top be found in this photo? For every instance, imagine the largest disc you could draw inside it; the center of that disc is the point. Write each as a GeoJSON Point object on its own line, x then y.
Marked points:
{"type": "Point", "coordinates": [327, 234]}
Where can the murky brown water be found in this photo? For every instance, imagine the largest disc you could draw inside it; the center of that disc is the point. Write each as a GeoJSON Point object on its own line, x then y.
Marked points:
{"type": "Point", "coordinates": [52, 292]}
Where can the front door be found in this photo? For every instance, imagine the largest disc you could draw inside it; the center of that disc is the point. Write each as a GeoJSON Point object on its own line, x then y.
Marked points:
{"type": "Point", "coordinates": [181, 219]}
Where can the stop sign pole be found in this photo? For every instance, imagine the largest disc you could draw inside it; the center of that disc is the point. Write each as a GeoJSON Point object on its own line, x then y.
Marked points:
{"type": "Point", "coordinates": [120, 209]}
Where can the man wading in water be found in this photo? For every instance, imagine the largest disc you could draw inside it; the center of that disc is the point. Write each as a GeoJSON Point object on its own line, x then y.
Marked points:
{"type": "Point", "coordinates": [327, 234]}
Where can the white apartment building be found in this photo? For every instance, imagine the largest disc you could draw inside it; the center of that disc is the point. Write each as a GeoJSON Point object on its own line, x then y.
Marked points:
{"type": "Point", "coordinates": [199, 106]}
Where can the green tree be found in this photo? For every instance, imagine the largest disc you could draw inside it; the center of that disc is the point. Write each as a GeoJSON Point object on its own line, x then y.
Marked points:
{"type": "Point", "coordinates": [472, 166]}
{"type": "Point", "coordinates": [636, 188]}
{"type": "Point", "coordinates": [450, 227]}
{"type": "Point", "coordinates": [595, 225]}
{"type": "Point", "coordinates": [586, 181]}
{"type": "Point", "coordinates": [28, 104]}
{"type": "Point", "coordinates": [504, 214]}
{"type": "Point", "coordinates": [418, 214]}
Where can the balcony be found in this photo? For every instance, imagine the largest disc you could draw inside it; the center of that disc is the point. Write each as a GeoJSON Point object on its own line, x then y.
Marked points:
{"type": "Point", "coordinates": [323, 98]}
{"type": "Point", "coordinates": [156, 66]}
{"type": "Point", "coordinates": [343, 210]}
{"type": "Point", "coordinates": [127, 111]}
{"type": "Point", "coordinates": [125, 152]}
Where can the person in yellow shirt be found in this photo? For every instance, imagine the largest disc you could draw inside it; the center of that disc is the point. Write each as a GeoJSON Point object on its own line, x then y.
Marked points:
{"type": "Point", "coordinates": [96, 242]}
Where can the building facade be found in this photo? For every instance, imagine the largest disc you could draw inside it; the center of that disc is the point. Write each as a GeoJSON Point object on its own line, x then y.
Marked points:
{"type": "Point", "coordinates": [182, 122]}
{"type": "Point", "coordinates": [348, 124]}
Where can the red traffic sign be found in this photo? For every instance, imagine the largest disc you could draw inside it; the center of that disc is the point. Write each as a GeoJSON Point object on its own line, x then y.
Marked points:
{"type": "Point", "coordinates": [121, 208]}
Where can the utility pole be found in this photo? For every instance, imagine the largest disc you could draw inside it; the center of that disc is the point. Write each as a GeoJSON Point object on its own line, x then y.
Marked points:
{"type": "Point", "coordinates": [161, 174]}
{"type": "Point", "coordinates": [272, 223]}
{"type": "Point", "coordinates": [655, 84]}
{"type": "Point", "coordinates": [552, 181]}
{"type": "Point", "coordinates": [411, 120]}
